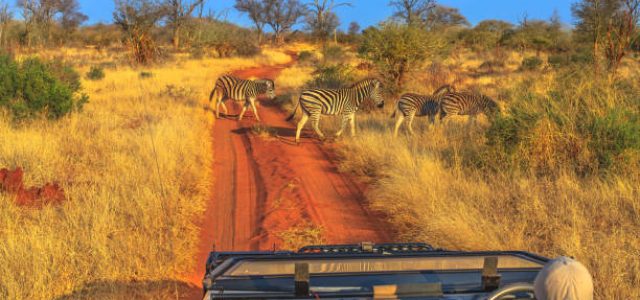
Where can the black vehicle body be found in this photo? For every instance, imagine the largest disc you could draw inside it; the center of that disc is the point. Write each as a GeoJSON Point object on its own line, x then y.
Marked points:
{"type": "Point", "coordinates": [365, 271]}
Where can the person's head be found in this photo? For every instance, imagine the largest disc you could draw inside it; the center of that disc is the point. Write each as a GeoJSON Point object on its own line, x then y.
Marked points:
{"type": "Point", "coordinates": [564, 279]}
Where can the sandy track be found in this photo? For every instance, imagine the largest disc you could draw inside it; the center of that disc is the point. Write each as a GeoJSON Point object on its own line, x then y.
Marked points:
{"type": "Point", "coordinates": [265, 184]}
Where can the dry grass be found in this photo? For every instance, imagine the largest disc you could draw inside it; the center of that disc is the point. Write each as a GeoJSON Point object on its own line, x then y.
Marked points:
{"type": "Point", "coordinates": [432, 190]}
{"type": "Point", "coordinates": [301, 235]}
{"type": "Point", "coordinates": [135, 166]}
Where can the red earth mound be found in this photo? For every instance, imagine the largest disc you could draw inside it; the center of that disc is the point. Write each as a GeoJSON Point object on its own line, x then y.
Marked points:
{"type": "Point", "coordinates": [34, 197]}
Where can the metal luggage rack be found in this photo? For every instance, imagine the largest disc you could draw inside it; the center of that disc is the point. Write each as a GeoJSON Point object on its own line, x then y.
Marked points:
{"type": "Point", "coordinates": [370, 248]}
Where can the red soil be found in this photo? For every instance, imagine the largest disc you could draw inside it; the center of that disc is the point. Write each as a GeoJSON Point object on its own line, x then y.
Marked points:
{"type": "Point", "coordinates": [34, 197]}
{"type": "Point", "coordinates": [264, 186]}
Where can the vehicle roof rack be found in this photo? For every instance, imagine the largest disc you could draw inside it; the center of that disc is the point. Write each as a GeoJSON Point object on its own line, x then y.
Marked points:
{"type": "Point", "coordinates": [367, 247]}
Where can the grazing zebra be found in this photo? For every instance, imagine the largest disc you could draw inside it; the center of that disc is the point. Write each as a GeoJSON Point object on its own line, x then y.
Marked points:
{"type": "Point", "coordinates": [411, 105]}
{"type": "Point", "coordinates": [229, 87]}
{"type": "Point", "coordinates": [344, 102]}
{"type": "Point", "coordinates": [467, 103]}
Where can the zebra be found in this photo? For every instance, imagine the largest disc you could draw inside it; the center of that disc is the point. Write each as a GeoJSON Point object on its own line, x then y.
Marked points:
{"type": "Point", "coordinates": [410, 105]}
{"type": "Point", "coordinates": [229, 87]}
{"type": "Point", "coordinates": [344, 102]}
{"type": "Point", "coordinates": [467, 103]}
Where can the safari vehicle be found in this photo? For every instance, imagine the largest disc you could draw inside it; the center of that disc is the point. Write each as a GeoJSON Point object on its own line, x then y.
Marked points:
{"type": "Point", "coordinates": [364, 271]}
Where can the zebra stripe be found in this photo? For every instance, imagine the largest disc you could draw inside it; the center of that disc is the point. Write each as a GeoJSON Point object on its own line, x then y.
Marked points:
{"type": "Point", "coordinates": [344, 102]}
{"type": "Point", "coordinates": [412, 105]}
{"type": "Point", "coordinates": [467, 103]}
{"type": "Point", "coordinates": [229, 87]}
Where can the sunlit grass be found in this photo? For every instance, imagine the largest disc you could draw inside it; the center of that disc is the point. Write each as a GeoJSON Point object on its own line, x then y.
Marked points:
{"type": "Point", "coordinates": [136, 168]}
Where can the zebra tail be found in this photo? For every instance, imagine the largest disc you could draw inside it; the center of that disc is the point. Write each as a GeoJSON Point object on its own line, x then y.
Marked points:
{"type": "Point", "coordinates": [293, 114]}
{"type": "Point", "coordinates": [211, 95]}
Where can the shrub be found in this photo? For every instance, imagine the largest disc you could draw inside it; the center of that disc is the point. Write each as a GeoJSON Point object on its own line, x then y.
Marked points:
{"type": "Point", "coordinates": [9, 79]}
{"type": "Point", "coordinates": [145, 74]}
{"type": "Point", "coordinates": [227, 39]}
{"type": "Point", "coordinates": [615, 139]}
{"type": "Point", "coordinates": [333, 54]}
{"type": "Point", "coordinates": [36, 87]}
{"type": "Point", "coordinates": [196, 52]}
{"type": "Point", "coordinates": [531, 63]}
{"type": "Point", "coordinates": [95, 73]}
{"type": "Point", "coordinates": [332, 77]}
{"type": "Point", "coordinates": [305, 56]}
{"type": "Point", "coordinates": [395, 50]}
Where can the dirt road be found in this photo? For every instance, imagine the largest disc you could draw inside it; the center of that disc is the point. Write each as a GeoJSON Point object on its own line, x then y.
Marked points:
{"type": "Point", "coordinates": [265, 186]}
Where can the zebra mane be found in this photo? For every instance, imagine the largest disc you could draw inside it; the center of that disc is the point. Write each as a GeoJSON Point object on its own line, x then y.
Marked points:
{"type": "Point", "coordinates": [364, 82]}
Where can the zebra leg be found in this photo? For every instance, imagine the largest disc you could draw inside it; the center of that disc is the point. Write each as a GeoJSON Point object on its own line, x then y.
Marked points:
{"type": "Point", "coordinates": [218, 102]}
{"type": "Point", "coordinates": [224, 107]}
{"type": "Point", "coordinates": [353, 124]}
{"type": "Point", "coordinates": [253, 107]}
{"type": "Point", "coordinates": [244, 109]}
{"type": "Point", "coordinates": [315, 122]}
{"type": "Point", "coordinates": [301, 123]}
{"type": "Point", "coordinates": [410, 123]}
{"type": "Point", "coordinates": [343, 124]}
{"type": "Point", "coordinates": [432, 121]}
{"type": "Point", "coordinates": [398, 123]}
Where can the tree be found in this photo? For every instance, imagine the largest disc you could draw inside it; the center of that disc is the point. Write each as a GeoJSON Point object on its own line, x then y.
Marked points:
{"type": "Point", "coordinates": [486, 35]}
{"type": "Point", "coordinates": [5, 17]}
{"type": "Point", "coordinates": [354, 28]}
{"type": "Point", "coordinates": [137, 18]}
{"type": "Point", "coordinates": [70, 16]}
{"type": "Point", "coordinates": [413, 12]}
{"type": "Point", "coordinates": [443, 16]}
{"type": "Point", "coordinates": [256, 11]}
{"type": "Point", "coordinates": [180, 11]}
{"type": "Point", "coordinates": [42, 16]}
{"type": "Point", "coordinates": [620, 33]}
{"type": "Point", "coordinates": [281, 15]}
{"type": "Point", "coordinates": [395, 50]}
{"type": "Point", "coordinates": [592, 19]}
{"type": "Point", "coordinates": [321, 19]}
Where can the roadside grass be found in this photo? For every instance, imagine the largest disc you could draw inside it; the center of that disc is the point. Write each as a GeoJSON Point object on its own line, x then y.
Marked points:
{"type": "Point", "coordinates": [554, 189]}
{"type": "Point", "coordinates": [135, 165]}
{"type": "Point", "coordinates": [301, 235]}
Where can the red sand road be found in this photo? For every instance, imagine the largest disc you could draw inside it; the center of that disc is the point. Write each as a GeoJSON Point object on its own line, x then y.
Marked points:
{"type": "Point", "coordinates": [265, 185]}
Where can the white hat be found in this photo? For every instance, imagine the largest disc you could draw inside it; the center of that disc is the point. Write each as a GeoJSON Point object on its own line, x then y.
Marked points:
{"type": "Point", "coordinates": [564, 279]}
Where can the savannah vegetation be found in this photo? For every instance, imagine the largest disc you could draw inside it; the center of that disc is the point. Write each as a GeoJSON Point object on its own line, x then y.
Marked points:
{"type": "Point", "coordinates": [116, 118]}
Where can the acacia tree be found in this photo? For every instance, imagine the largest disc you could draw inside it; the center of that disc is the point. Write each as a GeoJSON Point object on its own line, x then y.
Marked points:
{"type": "Point", "coordinates": [443, 16]}
{"type": "Point", "coordinates": [179, 13]}
{"type": "Point", "coordinates": [256, 11]}
{"type": "Point", "coordinates": [593, 17]}
{"type": "Point", "coordinates": [395, 50]}
{"type": "Point", "coordinates": [5, 17]}
{"type": "Point", "coordinates": [413, 12]}
{"type": "Point", "coordinates": [620, 33]}
{"type": "Point", "coordinates": [321, 19]}
{"type": "Point", "coordinates": [42, 15]}
{"type": "Point", "coordinates": [137, 18]}
{"type": "Point", "coordinates": [281, 15]}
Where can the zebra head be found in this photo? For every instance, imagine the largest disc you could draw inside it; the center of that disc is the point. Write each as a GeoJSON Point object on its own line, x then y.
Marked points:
{"type": "Point", "coordinates": [491, 107]}
{"type": "Point", "coordinates": [375, 93]}
{"type": "Point", "coordinates": [269, 88]}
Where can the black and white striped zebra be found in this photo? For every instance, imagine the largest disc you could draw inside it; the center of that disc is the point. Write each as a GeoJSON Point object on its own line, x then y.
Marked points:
{"type": "Point", "coordinates": [467, 103]}
{"type": "Point", "coordinates": [344, 102]}
{"type": "Point", "coordinates": [412, 105]}
{"type": "Point", "coordinates": [229, 87]}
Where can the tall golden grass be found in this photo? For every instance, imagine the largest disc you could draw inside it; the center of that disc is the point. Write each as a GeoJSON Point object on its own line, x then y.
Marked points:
{"type": "Point", "coordinates": [434, 188]}
{"type": "Point", "coordinates": [136, 168]}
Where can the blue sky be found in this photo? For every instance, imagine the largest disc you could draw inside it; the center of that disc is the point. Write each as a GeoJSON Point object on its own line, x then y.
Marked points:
{"type": "Point", "coordinates": [370, 12]}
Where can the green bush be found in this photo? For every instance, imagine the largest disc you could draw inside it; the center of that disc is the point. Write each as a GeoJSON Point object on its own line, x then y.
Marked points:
{"type": "Point", "coordinates": [333, 54]}
{"type": "Point", "coordinates": [95, 73]}
{"type": "Point", "coordinates": [9, 79]}
{"type": "Point", "coordinates": [531, 63]}
{"type": "Point", "coordinates": [332, 76]}
{"type": "Point", "coordinates": [225, 38]}
{"type": "Point", "coordinates": [145, 74]}
{"type": "Point", "coordinates": [615, 139]}
{"type": "Point", "coordinates": [304, 56]}
{"type": "Point", "coordinates": [35, 87]}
